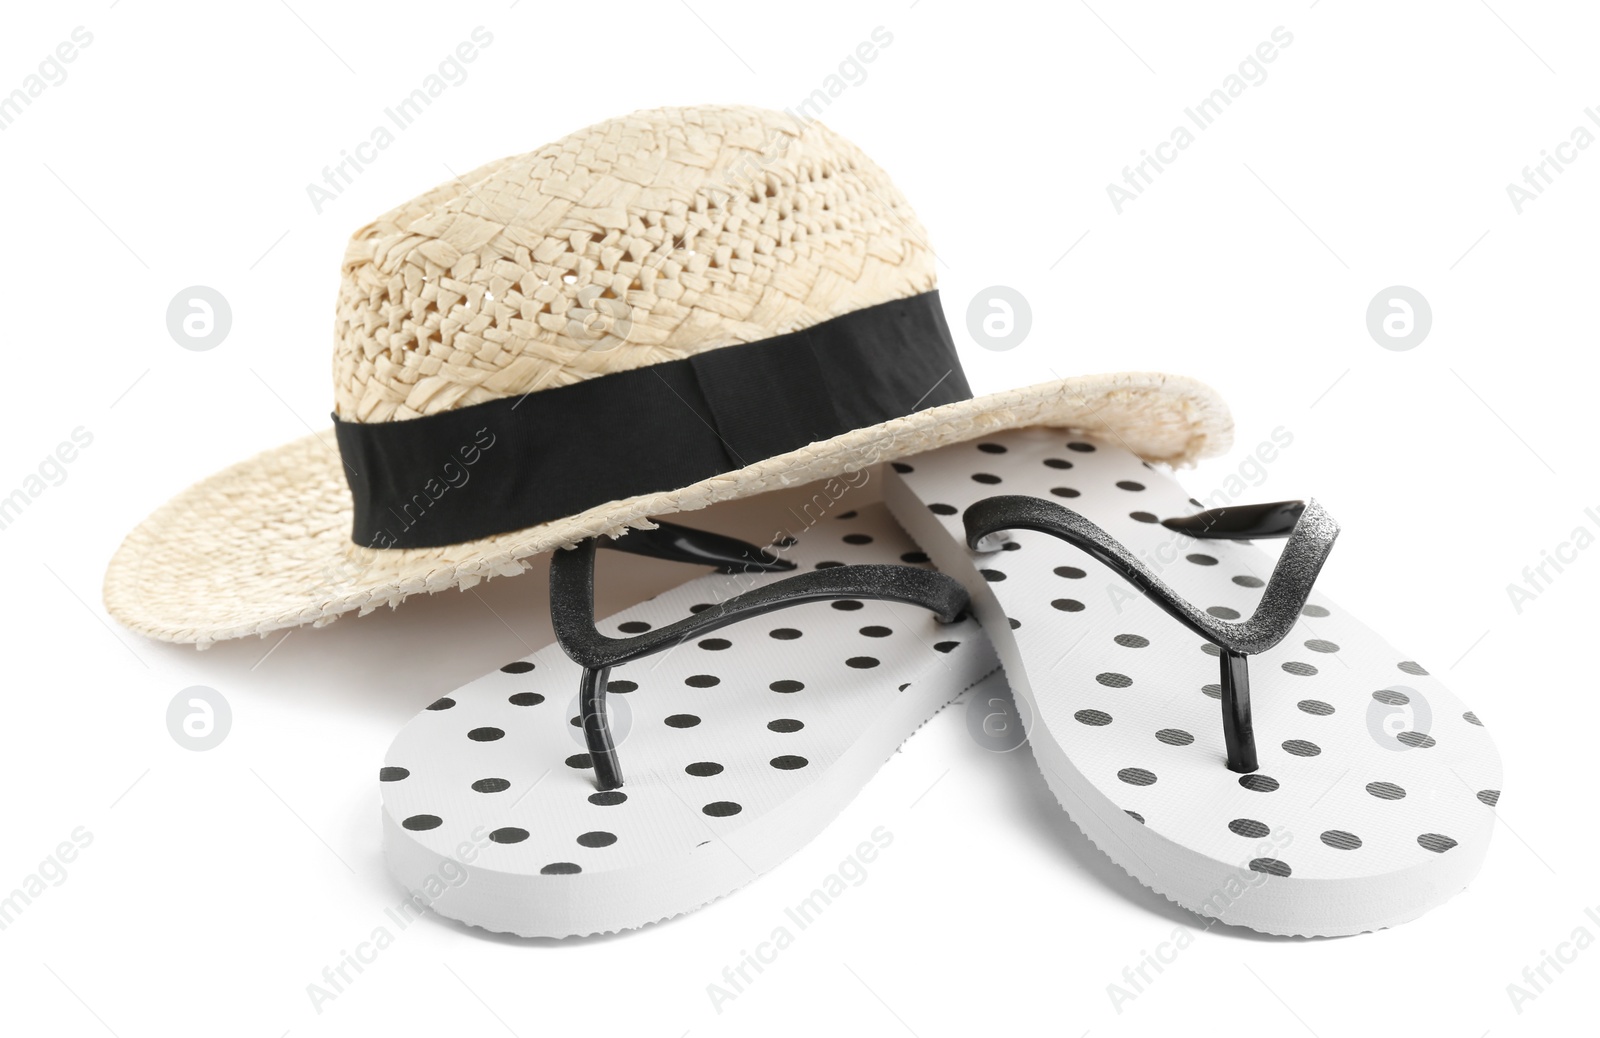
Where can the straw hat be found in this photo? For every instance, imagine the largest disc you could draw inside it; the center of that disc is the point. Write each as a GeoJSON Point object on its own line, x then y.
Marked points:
{"type": "Point", "coordinates": [654, 314]}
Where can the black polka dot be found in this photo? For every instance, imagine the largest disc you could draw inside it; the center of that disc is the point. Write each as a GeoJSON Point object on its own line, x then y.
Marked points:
{"type": "Point", "coordinates": [1301, 748]}
{"type": "Point", "coordinates": [1489, 796]}
{"type": "Point", "coordinates": [1249, 581]}
{"type": "Point", "coordinates": [608, 798]}
{"type": "Point", "coordinates": [1143, 517]}
{"type": "Point", "coordinates": [914, 557]}
{"type": "Point", "coordinates": [1128, 484]}
{"type": "Point", "coordinates": [1058, 463]}
{"type": "Point", "coordinates": [857, 538]}
{"type": "Point", "coordinates": [1064, 492]}
{"type": "Point", "coordinates": [442, 704]}
{"type": "Point", "coordinates": [621, 687]}
{"type": "Point", "coordinates": [1386, 790]}
{"type": "Point", "coordinates": [1471, 718]}
{"type": "Point", "coordinates": [784, 634]}
{"type": "Point", "coordinates": [828, 565]}
{"type": "Point", "coordinates": [519, 667]}
{"type": "Point", "coordinates": [422, 823]}
{"type": "Point", "coordinates": [721, 809]}
{"type": "Point", "coordinates": [944, 646]}
{"type": "Point", "coordinates": [785, 542]}
{"type": "Point", "coordinates": [1258, 783]}
{"type": "Point", "coordinates": [486, 734]}
{"type": "Point", "coordinates": [1391, 697]}
{"type": "Point", "coordinates": [633, 627]}
{"type": "Point", "coordinates": [786, 685]}
{"type": "Point", "coordinates": [525, 699]}
{"type": "Point", "coordinates": [1315, 706]}
{"type": "Point", "coordinates": [1014, 622]}
{"type": "Point", "coordinates": [1175, 737]}
{"type": "Point", "coordinates": [1201, 560]}
{"type": "Point", "coordinates": [682, 721]}
{"type": "Point", "coordinates": [700, 607]}
{"type": "Point", "coordinates": [846, 605]}
{"type": "Point", "coordinates": [714, 644]}
{"type": "Point", "coordinates": [702, 680]}
{"type": "Point", "coordinates": [1081, 448]}
{"type": "Point", "coordinates": [1340, 840]}
{"type": "Point", "coordinates": [942, 509]}
{"type": "Point", "coordinates": [491, 785]}
{"type": "Point", "coordinates": [1070, 572]}
{"type": "Point", "coordinates": [785, 724]}
{"type": "Point", "coordinates": [992, 448]}
{"type": "Point", "coordinates": [1223, 612]}
{"type": "Point", "coordinates": [1435, 842]}
{"type": "Point", "coordinates": [1321, 645]}
{"type": "Point", "coordinates": [1094, 718]}
{"type": "Point", "coordinates": [560, 868]}
{"type": "Point", "coordinates": [1214, 691]}
{"type": "Point", "coordinates": [1210, 650]}
{"type": "Point", "coordinates": [993, 576]}
{"type": "Point", "coordinates": [1136, 776]}
{"type": "Point", "coordinates": [987, 478]}
{"type": "Point", "coordinates": [575, 721]}
{"type": "Point", "coordinates": [1271, 866]}
{"type": "Point", "coordinates": [1111, 679]}
{"type": "Point", "coordinates": [1131, 641]}
{"type": "Point", "coordinates": [703, 769]}
{"type": "Point", "coordinates": [1313, 610]}
{"type": "Point", "coordinates": [392, 774]}
{"type": "Point", "coordinates": [1411, 667]}
{"type": "Point", "coordinates": [580, 761]}
{"type": "Point", "coordinates": [1136, 816]}
{"type": "Point", "coordinates": [1299, 669]}
{"type": "Point", "coordinates": [875, 631]}
{"type": "Point", "coordinates": [597, 839]}
{"type": "Point", "coordinates": [902, 468]}
{"type": "Point", "coordinates": [846, 515]}
{"type": "Point", "coordinates": [1248, 828]}
{"type": "Point", "coordinates": [1417, 740]}
{"type": "Point", "coordinates": [1068, 605]}
{"type": "Point", "coordinates": [861, 662]}
{"type": "Point", "coordinates": [788, 762]}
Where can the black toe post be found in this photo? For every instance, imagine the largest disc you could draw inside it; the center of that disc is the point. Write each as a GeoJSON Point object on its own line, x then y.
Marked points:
{"type": "Point", "coordinates": [572, 609]}
{"type": "Point", "coordinates": [1311, 532]}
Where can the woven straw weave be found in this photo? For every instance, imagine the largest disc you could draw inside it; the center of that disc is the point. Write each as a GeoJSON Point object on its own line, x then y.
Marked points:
{"type": "Point", "coordinates": [640, 240]}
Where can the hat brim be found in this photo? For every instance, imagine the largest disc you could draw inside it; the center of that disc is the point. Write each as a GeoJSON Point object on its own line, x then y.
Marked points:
{"type": "Point", "coordinates": [264, 545]}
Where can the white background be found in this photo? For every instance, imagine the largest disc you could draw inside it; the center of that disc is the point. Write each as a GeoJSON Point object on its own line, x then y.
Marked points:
{"type": "Point", "coordinates": [1376, 152]}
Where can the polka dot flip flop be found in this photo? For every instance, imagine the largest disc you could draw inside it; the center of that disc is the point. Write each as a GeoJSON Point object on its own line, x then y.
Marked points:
{"type": "Point", "coordinates": [675, 765]}
{"type": "Point", "coordinates": [1289, 772]}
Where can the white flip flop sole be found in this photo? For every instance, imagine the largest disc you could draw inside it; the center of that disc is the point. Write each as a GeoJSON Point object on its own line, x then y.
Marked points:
{"type": "Point", "coordinates": [1375, 796]}
{"type": "Point", "coordinates": [738, 749]}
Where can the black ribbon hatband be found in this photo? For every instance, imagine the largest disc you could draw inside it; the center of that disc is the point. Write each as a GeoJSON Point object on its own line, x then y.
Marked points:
{"type": "Point", "coordinates": [517, 462]}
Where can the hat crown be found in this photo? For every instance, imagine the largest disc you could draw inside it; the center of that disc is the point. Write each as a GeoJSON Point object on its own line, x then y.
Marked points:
{"type": "Point", "coordinates": [638, 240]}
